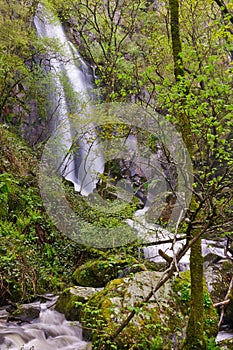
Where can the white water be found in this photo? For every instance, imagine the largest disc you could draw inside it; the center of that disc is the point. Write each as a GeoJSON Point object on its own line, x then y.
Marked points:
{"type": "Point", "coordinates": [222, 335]}
{"type": "Point", "coordinates": [83, 167]}
{"type": "Point", "coordinates": [51, 331]}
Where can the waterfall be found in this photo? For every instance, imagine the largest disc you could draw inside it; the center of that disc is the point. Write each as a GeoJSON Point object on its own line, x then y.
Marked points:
{"type": "Point", "coordinates": [82, 165]}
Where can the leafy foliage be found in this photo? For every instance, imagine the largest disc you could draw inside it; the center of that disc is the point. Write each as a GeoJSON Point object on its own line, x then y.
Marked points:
{"type": "Point", "coordinates": [34, 256]}
{"type": "Point", "coordinates": [128, 45]}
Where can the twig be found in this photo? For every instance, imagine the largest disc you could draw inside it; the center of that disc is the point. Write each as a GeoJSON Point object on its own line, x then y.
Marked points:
{"type": "Point", "coordinates": [165, 256]}
{"type": "Point", "coordinates": [224, 302]}
{"type": "Point", "coordinates": [174, 240]}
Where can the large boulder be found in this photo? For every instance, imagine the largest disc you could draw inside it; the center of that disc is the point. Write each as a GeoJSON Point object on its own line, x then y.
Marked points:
{"type": "Point", "coordinates": [97, 273]}
{"type": "Point", "coordinates": [158, 324]}
{"type": "Point", "coordinates": [71, 300]}
{"type": "Point", "coordinates": [218, 274]}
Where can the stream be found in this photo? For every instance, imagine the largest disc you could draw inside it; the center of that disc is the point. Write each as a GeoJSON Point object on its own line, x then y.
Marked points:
{"type": "Point", "coordinates": [50, 331]}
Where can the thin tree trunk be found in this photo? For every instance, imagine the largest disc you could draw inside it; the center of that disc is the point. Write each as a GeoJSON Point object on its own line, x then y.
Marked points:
{"type": "Point", "coordinates": [184, 124]}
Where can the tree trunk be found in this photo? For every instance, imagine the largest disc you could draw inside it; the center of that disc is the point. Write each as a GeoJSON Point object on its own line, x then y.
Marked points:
{"type": "Point", "coordinates": [195, 330]}
{"type": "Point", "coordinates": [176, 42]}
{"type": "Point", "coordinates": [184, 124]}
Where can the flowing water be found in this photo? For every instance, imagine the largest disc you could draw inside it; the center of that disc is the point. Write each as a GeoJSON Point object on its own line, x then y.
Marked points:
{"type": "Point", "coordinates": [51, 331]}
{"type": "Point", "coordinates": [71, 98]}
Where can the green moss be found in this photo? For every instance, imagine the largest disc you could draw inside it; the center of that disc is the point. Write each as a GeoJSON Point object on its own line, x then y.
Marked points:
{"type": "Point", "coordinates": [97, 273]}
{"type": "Point", "coordinates": [71, 300]}
{"type": "Point", "coordinates": [101, 309]}
{"type": "Point", "coordinates": [226, 344]}
{"type": "Point", "coordinates": [182, 288]}
{"type": "Point", "coordinates": [16, 156]}
{"type": "Point", "coordinates": [155, 266]}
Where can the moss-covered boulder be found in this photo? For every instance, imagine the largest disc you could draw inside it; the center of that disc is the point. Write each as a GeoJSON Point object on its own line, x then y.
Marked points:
{"type": "Point", "coordinates": [158, 324]}
{"type": "Point", "coordinates": [71, 300]}
{"type": "Point", "coordinates": [97, 273]}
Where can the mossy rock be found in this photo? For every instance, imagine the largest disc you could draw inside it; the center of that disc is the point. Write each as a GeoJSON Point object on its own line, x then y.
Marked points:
{"type": "Point", "coordinates": [156, 265]}
{"type": "Point", "coordinates": [159, 324]}
{"type": "Point", "coordinates": [71, 300]}
{"type": "Point", "coordinates": [218, 276]}
{"type": "Point", "coordinates": [97, 273]}
{"type": "Point", "coordinates": [228, 315]}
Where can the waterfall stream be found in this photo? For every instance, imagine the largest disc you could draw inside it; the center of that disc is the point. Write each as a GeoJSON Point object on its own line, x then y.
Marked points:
{"type": "Point", "coordinates": [51, 331]}
{"type": "Point", "coordinates": [82, 166]}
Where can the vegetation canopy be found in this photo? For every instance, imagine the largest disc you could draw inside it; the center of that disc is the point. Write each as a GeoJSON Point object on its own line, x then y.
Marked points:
{"type": "Point", "coordinates": [174, 58]}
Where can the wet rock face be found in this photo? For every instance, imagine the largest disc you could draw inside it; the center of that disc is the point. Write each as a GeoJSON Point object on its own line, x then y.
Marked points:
{"type": "Point", "coordinates": [160, 322]}
{"type": "Point", "coordinates": [24, 314]}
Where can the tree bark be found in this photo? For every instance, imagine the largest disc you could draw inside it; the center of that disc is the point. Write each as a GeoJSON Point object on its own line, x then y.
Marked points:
{"type": "Point", "coordinates": [184, 124]}
{"type": "Point", "coordinates": [176, 41]}
{"type": "Point", "coordinates": [195, 330]}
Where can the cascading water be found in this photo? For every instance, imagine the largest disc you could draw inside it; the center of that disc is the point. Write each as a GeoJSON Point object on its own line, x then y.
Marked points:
{"type": "Point", "coordinates": [83, 165]}
{"type": "Point", "coordinates": [50, 331]}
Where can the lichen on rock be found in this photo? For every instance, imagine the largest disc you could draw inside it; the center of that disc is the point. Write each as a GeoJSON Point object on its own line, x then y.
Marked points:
{"type": "Point", "coordinates": [158, 324]}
